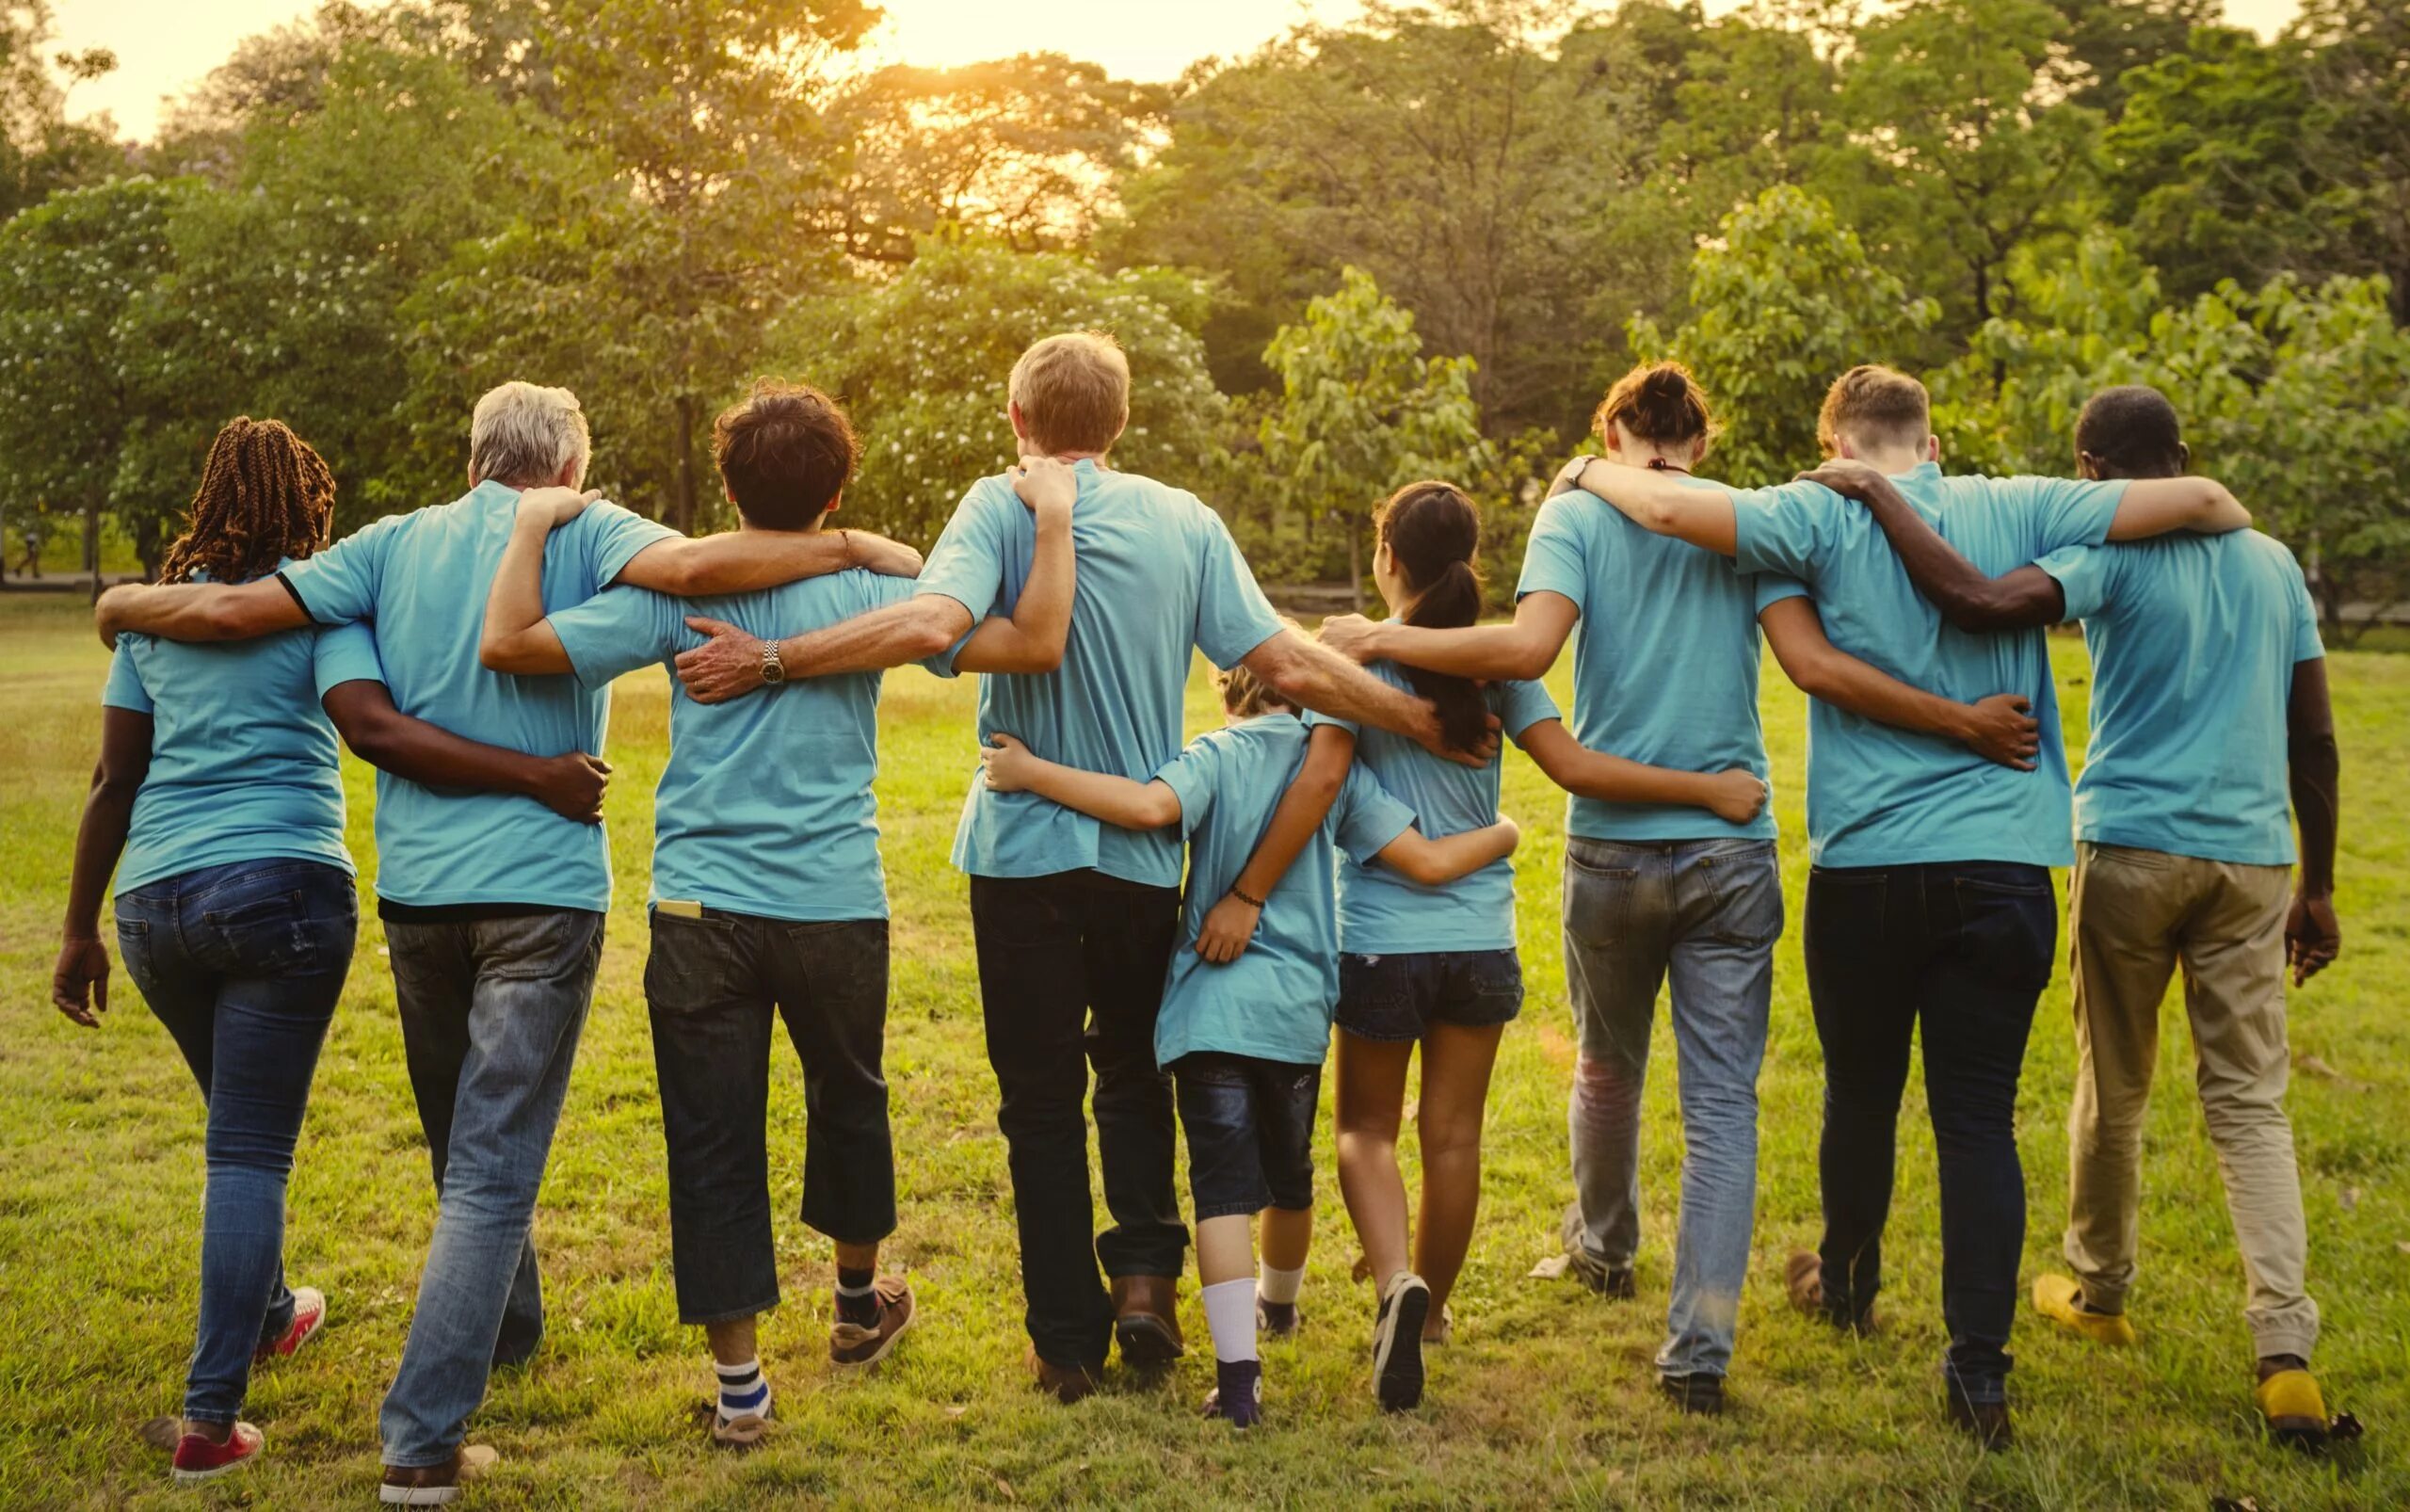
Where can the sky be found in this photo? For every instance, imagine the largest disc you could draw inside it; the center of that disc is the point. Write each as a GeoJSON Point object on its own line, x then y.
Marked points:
{"type": "Point", "coordinates": [165, 46]}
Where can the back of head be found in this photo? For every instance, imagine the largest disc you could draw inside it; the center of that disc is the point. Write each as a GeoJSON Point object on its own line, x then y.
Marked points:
{"type": "Point", "coordinates": [1659, 402]}
{"type": "Point", "coordinates": [786, 452]}
{"type": "Point", "coordinates": [1073, 392]}
{"type": "Point", "coordinates": [521, 435]}
{"type": "Point", "coordinates": [2130, 431]}
{"type": "Point", "coordinates": [1874, 408]}
{"type": "Point", "coordinates": [1434, 535]}
{"type": "Point", "coordinates": [1246, 695]}
{"type": "Point", "coordinates": [265, 495]}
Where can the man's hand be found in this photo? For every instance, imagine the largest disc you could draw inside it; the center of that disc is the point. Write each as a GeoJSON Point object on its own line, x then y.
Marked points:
{"type": "Point", "coordinates": [1046, 484]}
{"type": "Point", "coordinates": [2002, 729]}
{"type": "Point", "coordinates": [726, 667]}
{"type": "Point", "coordinates": [557, 506]}
{"type": "Point", "coordinates": [1005, 764]}
{"type": "Point", "coordinates": [1228, 928]}
{"type": "Point", "coordinates": [2312, 937]}
{"type": "Point", "coordinates": [888, 558]}
{"type": "Point", "coordinates": [1432, 736]}
{"type": "Point", "coordinates": [1740, 793]}
{"type": "Point", "coordinates": [1351, 636]}
{"type": "Point", "coordinates": [1847, 476]}
{"type": "Point", "coordinates": [572, 785]}
{"type": "Point", "coordinates": [83, 969]}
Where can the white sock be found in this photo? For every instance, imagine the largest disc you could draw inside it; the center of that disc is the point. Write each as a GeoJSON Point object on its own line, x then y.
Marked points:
{"type": "Point", "coordinates": [1275, 1286]}
{"type": "Point", "coordinates": [743, 1390]}
{"type": "Point", "coordinates": [1229, 1311]}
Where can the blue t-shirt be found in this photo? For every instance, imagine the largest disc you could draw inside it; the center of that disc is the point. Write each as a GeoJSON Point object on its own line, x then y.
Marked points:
{"type": "Point", "coordinates": [2193, 641]}
{"type": "Point", "coordinates": [422, 578]}
{"type": "Point", "coordinates": [1158, 575]}
{"type": "Point", "coordinates": [765, 806]}
{"type": "Point", "coordinates": [1383, 913]}
{"type": "Point", "coordinates": [1274, 1000]}
{"type": "Point", "coordinates": [1883, 796]}
{"type": "Point", "coordinates": [1664, 660]}
{"type": "Point", "coordinates": [244, 763]}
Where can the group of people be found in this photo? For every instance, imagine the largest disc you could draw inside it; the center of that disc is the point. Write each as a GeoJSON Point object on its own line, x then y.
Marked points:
{"type": "Point", "coordinates": [1344, 860]}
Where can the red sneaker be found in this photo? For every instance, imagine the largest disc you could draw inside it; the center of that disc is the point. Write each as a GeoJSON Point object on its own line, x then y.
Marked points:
{"type": "Point", "coordinates": [199, 1460]}
{"type": "Point", "coordinates": [309, 1316]}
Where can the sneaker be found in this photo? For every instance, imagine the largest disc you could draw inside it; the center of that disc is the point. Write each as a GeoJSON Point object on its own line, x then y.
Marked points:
{"type": "Point", "coordinates": [200, 1458]}
{"type": "Point", "coordinates": [1702, 1391]}
{"type": "Point", "coordinates": [1986, 1422]}
{"type": "Point", "coordinates": [1616, 1283]}
{"type": "Point", "coordinates": [2289, 1400]}
{"type": "Point", "coordinates": [1278, 1320]}
{"type": "Point", "coordinates": [2060, 1299]}
{"type": "Point", "coordinates": [309, 1316]}
{"type": "Point", "coordinates": [1397, 1343]}
{"type": "Point", "coordinates": [858, 1345]}
{"type": "Point", "coordinates": [435, 1485]}
{"type": "Point", "coordinates": [1237, 1396]}
{"type": "Point", "coordinates": [1440, 1334]}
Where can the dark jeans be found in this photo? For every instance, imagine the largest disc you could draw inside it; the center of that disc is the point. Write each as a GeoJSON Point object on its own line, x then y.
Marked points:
{"type": "Point", "coordinates": [490, 1010]}
{"type": "Point", "coordinates": [1396, 999]}
{"type": "Point", "coordinates": [1963, 950]}
{"type": "Point", "coordinates": [714, 986]}
{"type": "Point", "coordinates": [1071, 973]}
{"type": "Point", "coordinates": [244, 964]}
{"type": "Point", "coordinates": [1250, 1125]}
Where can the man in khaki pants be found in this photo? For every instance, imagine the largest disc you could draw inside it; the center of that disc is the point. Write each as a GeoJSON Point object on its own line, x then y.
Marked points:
{"type": "Point", "coordinates": [2208, 699]}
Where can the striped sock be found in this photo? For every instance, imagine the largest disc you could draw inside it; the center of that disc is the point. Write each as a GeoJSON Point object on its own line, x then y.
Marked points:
{"type": "Point", "coordinates": [744, 1391]}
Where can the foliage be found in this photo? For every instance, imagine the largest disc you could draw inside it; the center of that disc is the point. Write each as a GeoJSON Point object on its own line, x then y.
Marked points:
{"type": "Point", "coordinates": [40, 151]}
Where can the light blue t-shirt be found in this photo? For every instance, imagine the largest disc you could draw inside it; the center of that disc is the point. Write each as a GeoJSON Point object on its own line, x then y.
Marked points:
{"type": "Point", "coordinates": [422, 578]}
{"type": "Point", "coordinates": [765, 806]}
{"type": "Point", "coordinates": [244, 763]}
{"type": "Point", "coordinates": [1883, 796]}
{"type": "Point", "coordinates": [1664, 660]}
{"type": "Point", "coordinates": [2193, 641]}
{"type": "Point", "coordinates": [1384, 913]}
{"type": "Point", "coordinates": [1158, 575]}
{"type": "Point", "coordinates": [1274, 1000]}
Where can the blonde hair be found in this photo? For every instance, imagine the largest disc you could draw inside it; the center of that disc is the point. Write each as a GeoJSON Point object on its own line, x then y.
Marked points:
{"type": "Point", "coordinates": [1247, 694]}
{"type": "Point", "coordinates": [1873, 406]}
{"type": "Point", "coordinates": [1073, 392]}
{"type": "Point", "coordinates": [522, 435]}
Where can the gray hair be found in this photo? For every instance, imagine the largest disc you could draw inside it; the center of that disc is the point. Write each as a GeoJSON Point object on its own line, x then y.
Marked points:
{"type": "Point", "coordinates": [522, 435]}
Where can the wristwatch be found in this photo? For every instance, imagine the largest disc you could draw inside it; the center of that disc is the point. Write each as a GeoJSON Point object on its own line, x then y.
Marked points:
{"type": "Point", "coordinates": [773, 670]}
{"type": "Point", "coordinates": [1573, 470]}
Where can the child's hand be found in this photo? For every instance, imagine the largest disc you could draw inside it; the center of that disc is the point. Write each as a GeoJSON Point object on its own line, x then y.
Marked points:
{"type": "Point", "coordinates": [1230, 927]}
{"type": "Point", "coordinates": [1739, 795]}
{"type": "Point", "coordinates": [1006, 764]}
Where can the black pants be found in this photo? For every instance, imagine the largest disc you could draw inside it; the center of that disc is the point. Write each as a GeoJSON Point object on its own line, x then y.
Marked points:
{"type": "Point", "coordinates": [1964, 950]}
{"type": "Point", "coordinates": [1071, 973]}
{"type": "Point", "coordinates": [715, 986]}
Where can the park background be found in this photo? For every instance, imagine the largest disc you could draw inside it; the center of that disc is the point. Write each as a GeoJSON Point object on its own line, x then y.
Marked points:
{"type": "Point", "coordinates": [1386, 244]}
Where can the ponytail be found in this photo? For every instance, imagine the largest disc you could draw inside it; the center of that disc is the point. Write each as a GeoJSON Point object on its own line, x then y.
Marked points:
{"type": "Point", "coordinates": [1433, 532]}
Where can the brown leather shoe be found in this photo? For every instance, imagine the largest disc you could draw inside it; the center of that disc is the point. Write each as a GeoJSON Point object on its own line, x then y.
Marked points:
{"type": "Point", "coordinates": [435, 1485]}
{"type": "Point", "coordinates": [1066, 1384]}
{"type": "Point", "coordinates": [1146, 1320]}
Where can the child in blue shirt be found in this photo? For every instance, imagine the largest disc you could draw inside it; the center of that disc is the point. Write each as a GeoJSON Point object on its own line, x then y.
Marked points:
{"type": "Point", "coordinates": [1244, 1042]}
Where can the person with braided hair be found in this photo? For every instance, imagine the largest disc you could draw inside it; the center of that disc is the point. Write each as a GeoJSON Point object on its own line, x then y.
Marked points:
{"type": "Point", "coordinates": [218, 804]}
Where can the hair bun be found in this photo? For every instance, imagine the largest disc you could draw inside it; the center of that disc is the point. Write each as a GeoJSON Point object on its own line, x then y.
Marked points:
{"type": "Point", "coordinates": [1665, 381]}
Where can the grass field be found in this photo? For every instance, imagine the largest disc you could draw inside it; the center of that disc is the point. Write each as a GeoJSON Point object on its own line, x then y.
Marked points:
{"type": "Point", "coordinates": [1544, 1396]}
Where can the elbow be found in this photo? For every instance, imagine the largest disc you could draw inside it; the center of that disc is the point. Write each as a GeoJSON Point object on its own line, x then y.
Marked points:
{"type": "Point", "coordinates": [1417, 868]}
{"type": "Point", "coordinates": [1532, 663]}
{"type": "Point", "coordinates": [493, 657]}
{"type": "Point", "coordinates": [1044, 657]}
{"type": "Point", "coordinates": [1976, 615]}
{"type": "Point", "coordinates": [931, 638]}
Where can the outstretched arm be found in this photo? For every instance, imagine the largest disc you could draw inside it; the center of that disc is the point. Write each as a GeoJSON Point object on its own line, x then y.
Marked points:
{"type": "Point", "coordinates": [1734, 796]}
{"type": "Point", "coordinates": [730, 664]}
{"type": "Point", "coordinates": [1432, 863]}
{"type": "Point", "coordinates": [1999, 729]}
{"type": "Point", "coordinates": [687, 566]}
{"type": "Point", "coordinates": [1965, 597]}
{"type": "Point", "coordinates": [1524, 650]}
{"type": "Point", "coordinates": [2156, 505]}
{"type": "Point", "coordinates": [2312, 936]}
{"type": "Point", "coordinates": [1229, 924]}
{"type": "Point", "coordinates": [1655, 501]}
{"type": "Point", "coordinates": [570, 784]}
{"type": "Point", "coordinates": [198, 611]}
{"type": "Point", "coordinates": [1308, 676]}
{"type": "Point", "coordinates": [1033, 639]}
{"type": "Point", "coordinates": [1009, 768]}
{"type": "Point", "coordinates": [79, 983]}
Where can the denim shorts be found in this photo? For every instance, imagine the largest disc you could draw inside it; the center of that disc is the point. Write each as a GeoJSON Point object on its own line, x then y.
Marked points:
{"type": "Point", "coordinates": [1250, 1126]}
{"type": "Point", "coordinates": [1398, 998]}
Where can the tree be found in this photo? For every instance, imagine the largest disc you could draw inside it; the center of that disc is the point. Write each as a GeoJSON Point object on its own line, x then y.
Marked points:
{"type": "Point", "coordinates": [2108, 38]}
{"type": "Point", "coordinates": [2361, 129]}
{"type": "Point", "coordinates": [40, 149]}
{"type": "Point", "coordinates": [1784, 302]}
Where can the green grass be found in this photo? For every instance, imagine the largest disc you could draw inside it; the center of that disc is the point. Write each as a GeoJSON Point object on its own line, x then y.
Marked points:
{"type": "Point", "coordinates": [1544, 1397]}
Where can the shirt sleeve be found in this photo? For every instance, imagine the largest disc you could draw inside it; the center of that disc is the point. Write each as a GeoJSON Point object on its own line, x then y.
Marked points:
{"type": "Point", "coordinates": [619, 630]}
{"type": "Point", "coordinates": [344, 653]}
{"type": "Point", "coordinates": [967, 564]}
{"type": "Point", "coordinates": [338, 585]}
{"type": "Point", "coordinates": [2065, 511]}
{"type": "Point", "coordinates": [1191, 776]}
{"type": "Point", "coordinates": [1556, 558]}
{"type": "Point", "coordinates": [1520, 704]}
{"type": "Point", "coordinates": [1366, 818]}
{"type": "Point", "coordinates": [2085, 575]}
{"type": "Point", "coordinates": [615, 534]}
{"type": "Point", "coordinates": [1232, 614]}
{"type": "Point", "coordinates": [125, 689]}
{"type": "Point", "coordinates": [1784, 530]}
{"type": "Point", "coordinates": [1773, 587]}
{"type": "Point", "coordinates": [1310, 719]}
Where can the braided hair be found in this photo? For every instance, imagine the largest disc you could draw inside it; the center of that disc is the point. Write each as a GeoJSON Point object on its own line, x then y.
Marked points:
{"type": "Point", "coordinates": [265, 495]}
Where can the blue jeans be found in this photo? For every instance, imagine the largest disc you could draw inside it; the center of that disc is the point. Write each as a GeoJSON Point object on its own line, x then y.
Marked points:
{"type": "Point", "coordinates": [490, 1012]}
{"type": "Point", "coordinates": [244, 964]}
{"type": "Point", "coordinates": [1707, 913]}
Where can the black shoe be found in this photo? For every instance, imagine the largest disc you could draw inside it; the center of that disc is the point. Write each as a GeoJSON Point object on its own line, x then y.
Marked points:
{"type": "Point", "coordinates": [1701, 1393]}
{"type": "Point", "coordinates": [1614, 1283]}
{"type": "Point", "coordinates": [1278, 1320]}
{"type": "Point", "coordinates": [1986, 1422]}
{"type": "Point", "coordinates": [1397, 1345]}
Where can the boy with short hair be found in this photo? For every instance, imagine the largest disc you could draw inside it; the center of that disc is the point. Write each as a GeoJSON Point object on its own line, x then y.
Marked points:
{"type": "Point", "coordinates": [1245, 1042]}
{"type": "Point", "coordinates": [767, 896]}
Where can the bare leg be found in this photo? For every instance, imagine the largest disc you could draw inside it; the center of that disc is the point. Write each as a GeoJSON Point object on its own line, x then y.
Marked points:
{"type": "Point", "coordinates": [1371, 1098]}
{"type": "Point", "coordinates": [733, 1342]}
{"type": "Point", "coordinates": [1225, 1249]}
{"type": "Point", "coordinates": [1456, 1092]}
{"type": "Point", "coordinates": [1288, 1233]}
{"type": "Point", "coordinates": [858, 1257]}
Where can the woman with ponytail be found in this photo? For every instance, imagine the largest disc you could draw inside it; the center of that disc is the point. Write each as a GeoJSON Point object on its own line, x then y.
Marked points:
{"type": "Point", "coordinates": [1433, 967]}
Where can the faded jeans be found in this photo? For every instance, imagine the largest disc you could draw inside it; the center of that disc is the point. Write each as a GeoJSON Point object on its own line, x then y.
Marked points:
{"type": "Point", "coordinates": [490, 1012]}
{"type": "Point", "coordinates": [1705, 913]}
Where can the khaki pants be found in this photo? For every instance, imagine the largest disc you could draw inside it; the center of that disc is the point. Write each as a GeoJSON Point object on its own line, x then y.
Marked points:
{"type": "Point", "coordinates": [2135, 915]}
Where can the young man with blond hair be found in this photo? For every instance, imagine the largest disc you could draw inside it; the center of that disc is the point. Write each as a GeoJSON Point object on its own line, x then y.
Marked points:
{"type": "Point", "coordinates": [1075, 921]}
{"type": "Point", "coordinates": [1930, 907]}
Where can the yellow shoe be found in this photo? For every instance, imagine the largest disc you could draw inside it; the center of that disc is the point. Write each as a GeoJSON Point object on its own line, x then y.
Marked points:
{"type": "Point", "coordinates": [2061, 1300]}
{"type": "Point", "coordinates": [2294, 1408]}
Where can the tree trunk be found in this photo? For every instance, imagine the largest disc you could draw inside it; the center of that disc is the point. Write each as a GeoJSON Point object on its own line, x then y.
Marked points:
{"type": "Point", "coordinates": [682, 504]}
{"type": "Point", "coordinates": [93, 544]}
{"type": "Point", "coordinates": [1356, 561]}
